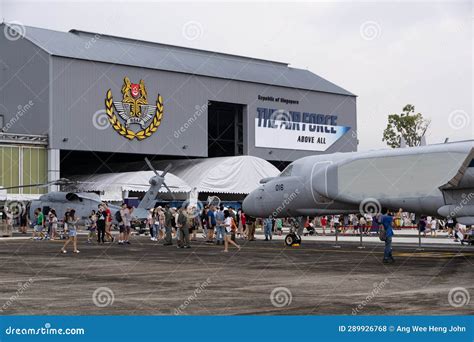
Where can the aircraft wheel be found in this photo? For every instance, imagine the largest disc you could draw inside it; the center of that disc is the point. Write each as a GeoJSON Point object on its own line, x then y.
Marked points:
{"type": "Point", "coordinates": [289, 240]}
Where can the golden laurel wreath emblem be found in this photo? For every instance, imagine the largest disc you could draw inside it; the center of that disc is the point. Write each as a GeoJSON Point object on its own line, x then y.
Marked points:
{"type": "Point", "coordinates": [131, 112]}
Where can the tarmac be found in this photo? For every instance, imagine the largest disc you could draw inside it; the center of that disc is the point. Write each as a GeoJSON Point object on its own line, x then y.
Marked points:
{"type": "Point", "coordinates": [263, 278]}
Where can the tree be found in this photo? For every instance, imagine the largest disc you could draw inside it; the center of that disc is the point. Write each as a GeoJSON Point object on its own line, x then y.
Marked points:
{"type": "Point", "coordinates": [407, 125]}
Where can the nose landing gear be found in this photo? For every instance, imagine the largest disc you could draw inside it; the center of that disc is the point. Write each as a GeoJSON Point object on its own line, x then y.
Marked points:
{"type": "Point", "coordinates": [293, 239]}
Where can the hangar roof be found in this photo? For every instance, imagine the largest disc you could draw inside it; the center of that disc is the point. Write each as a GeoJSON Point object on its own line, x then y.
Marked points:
{"type": "Point", "coordinates": [125, 51]}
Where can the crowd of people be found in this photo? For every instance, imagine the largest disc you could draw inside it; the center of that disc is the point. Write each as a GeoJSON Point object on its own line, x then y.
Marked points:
{"type": "Point", "coordinates": [219, 225]}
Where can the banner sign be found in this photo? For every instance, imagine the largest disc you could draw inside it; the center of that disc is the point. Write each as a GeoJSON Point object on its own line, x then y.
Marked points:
{"type": "Point", "coordinates": [278, 328]}
{"type": "Point", "coordinates": [295, 130]}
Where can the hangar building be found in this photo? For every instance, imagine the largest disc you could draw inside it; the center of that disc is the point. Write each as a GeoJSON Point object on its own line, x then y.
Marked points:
{"type": "Point", "coordinates": [82, 102]}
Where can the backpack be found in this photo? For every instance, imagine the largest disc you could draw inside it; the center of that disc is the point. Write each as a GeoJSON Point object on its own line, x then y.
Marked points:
{"type": "Point", "coordinates": [382, 233]}
{"type": "Point", "coordinates": [118, 217]}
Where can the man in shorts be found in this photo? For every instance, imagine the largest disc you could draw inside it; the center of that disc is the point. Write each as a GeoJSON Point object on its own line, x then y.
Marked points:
{"type": "Point", "coordinates": [125, 226]}
{"type": "Point", "coordinates": [39, 224]}
{"type": "Point", "coordinates": [211, 223]}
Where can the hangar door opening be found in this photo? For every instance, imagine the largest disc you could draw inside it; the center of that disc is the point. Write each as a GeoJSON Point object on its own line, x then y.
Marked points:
{"type": "Point", "coordinates": [225, 129]}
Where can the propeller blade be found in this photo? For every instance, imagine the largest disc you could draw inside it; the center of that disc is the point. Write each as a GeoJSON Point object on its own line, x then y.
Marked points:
{"type": "Point", "coordinates": [169, 190]}
{"type": "Point", "coordinates": [151, 166]}
{"type": "Point", "coordinates": [24, 186]}
{"type": "Point", "coordinates": [165, 171]}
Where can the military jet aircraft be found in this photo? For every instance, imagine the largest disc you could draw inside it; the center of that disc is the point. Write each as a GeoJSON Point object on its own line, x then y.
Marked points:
{"type": "Point", "coordinates": [435, 180]}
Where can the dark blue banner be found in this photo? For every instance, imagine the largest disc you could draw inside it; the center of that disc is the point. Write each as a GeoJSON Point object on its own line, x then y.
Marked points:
{"type": "Point", "coordinates": [237, 328]}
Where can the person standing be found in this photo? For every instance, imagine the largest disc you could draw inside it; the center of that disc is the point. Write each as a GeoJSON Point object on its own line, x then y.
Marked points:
{"type": "Point", "coordinates": [53, 220]}
{"type": "Point", "coordinates": [243, 223]}
{"type": "Point", "coordinates": [101, 218]}
{"type": "Point", "coordinates": [108, 222]}
{"type": "Point", "coordinates": [123, 223]}
{"type": "Point", "coordinates": [387, 222]}
{"type": "Point", "coordinates": [92, 226]}
{"type": "Point", "coordinates": [324, 224]}
{"type": "Point", "coordinates": [194, 222]}
{"type": "Point", "coordinates": [127, 221]}
{"type": "Point", "coordinates": [71, 226]}
{"type": "Point", "coordinates": [229, 227]}
{"type": "Point", "coordinates": [279, 226]}
{"type": "Point", "coordinates": [168, 226]}
{"type": "Point", "coordinates": [150, 223]}
{"type": "Point", "coordinates": [39, 224]}
{"type": "Point", "coordinates": [183, 228]}
{"type": "Point", "coordinates": [23, 221]}
{"type": "Point", "coordinates": [204, 224]}
{"type": "Point", "coordinates": [433, 227]}
{"type": "Point", "coordinates": [220, 231]}
{"type": "Point", "coordinates": [267, 228]}
{"type": "Point", "coordinates": [422, 225]}
{"type": "Point", "coordinates": [211, 220]}
{"type": "Point", "coordinates": [250, 223]}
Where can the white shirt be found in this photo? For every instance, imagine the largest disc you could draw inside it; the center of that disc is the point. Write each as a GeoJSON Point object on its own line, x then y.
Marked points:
{"type": "Point", "coordinates": [228, 224]}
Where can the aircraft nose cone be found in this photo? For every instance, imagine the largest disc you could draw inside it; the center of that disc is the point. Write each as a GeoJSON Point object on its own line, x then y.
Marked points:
{"type": "Point", "coordinates": [249, 204]}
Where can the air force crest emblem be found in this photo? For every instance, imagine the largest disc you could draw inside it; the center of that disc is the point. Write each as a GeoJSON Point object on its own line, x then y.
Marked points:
{"type": "Point", "coordinates": [134, 110]}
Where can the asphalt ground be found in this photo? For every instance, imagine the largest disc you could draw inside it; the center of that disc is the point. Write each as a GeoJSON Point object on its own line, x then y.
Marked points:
{"type": "Point", "coordinates": [264, 278]}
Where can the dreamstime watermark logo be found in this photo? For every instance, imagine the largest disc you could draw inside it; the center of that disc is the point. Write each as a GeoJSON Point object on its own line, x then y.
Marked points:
{"type": "Point", "coordinates": [22, 287]}
{"type": "Point", "coordinates": [192, 208]}
{"type": "Point", "coordinates": [21, 110]}
{"type": "Point", "coordinates": [280, 118]}
{"type": "Point", "coordinates": [281, 296]}
{"type": "Point", "coordinates": [92, 40]}
{"type": "Point", "coordinates": [191, 298]}
{"type": "Point", "coordinates": [370, 30]}
{"type": "Point", "coordinates": [192, 30]}
{"type": "Point", "coordinates": [100, 120]}
{"type": "Point", "coordinates": [466, 198]}
{"type": "Point", "coordinates": [14, 30]}
{"type": "Point", "coordinates": [199, 110]}
{"type": "Point", "coordinates": [103, 296]}
{"type": "Point", "coordinates": [458, 119]}
{"type": "Point", "coordinates": [213, 200]}
{"type": "Point", "coordinates": [372, 294]}
{"type": "Point", "coordinates": [370, 206]}
{"type": "Point", "coordinates": [15, 208]}
{"type": "Point", "coordinates": [288, 199]}
{"type": "Point", "coordinates": [458, 297]}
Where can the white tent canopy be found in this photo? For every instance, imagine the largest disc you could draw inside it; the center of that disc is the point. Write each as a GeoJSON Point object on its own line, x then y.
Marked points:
{"type": "Point", "coordinates": [113, 184]}
{"type": "Point", "coordinates": [231, 175]}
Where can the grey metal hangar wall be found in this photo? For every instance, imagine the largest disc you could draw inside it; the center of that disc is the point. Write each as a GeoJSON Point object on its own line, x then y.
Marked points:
{"type": "Point", "coordinates": [158, 99]}
{"type": "Point", "coordinates": [79, 112]}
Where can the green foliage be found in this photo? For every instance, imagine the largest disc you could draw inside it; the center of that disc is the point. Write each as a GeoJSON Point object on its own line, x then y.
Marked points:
{"type": "Point", "coordinates": [412, 127]}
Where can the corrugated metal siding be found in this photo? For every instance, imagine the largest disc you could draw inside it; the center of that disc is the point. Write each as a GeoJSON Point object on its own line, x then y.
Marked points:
{"type": "Point", "coordinates": [100, 48]}
{"type": "Point", "coordinates": [79, 91]}
{"type": "Point", "coordinates": [24, 78]}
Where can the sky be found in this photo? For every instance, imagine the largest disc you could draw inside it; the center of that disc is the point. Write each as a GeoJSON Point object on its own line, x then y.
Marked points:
{"type": "Point", "coordinates": [388, 53]}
